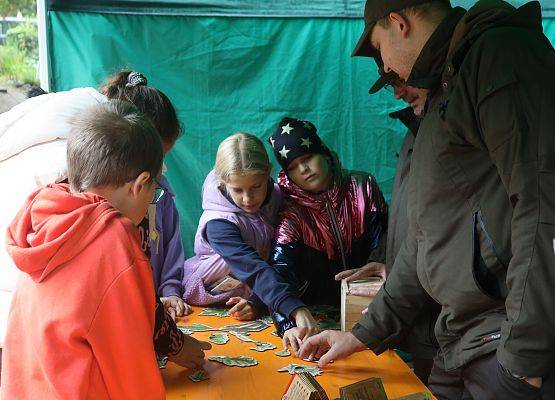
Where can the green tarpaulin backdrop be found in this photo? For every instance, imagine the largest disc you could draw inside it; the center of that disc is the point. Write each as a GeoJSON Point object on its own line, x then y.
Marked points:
{"type": "Point", "coordinates": [228, 74]}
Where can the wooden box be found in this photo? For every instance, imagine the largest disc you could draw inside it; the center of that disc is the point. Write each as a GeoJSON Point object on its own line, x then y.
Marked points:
{"type": "Point", "coordinates": [351, 305]}
{"type": "Point", "coordinates": [304, 386]}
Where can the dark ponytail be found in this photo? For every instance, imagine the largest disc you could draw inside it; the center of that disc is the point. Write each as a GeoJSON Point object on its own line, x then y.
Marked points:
{"type": "Point", "coordinates": [155, 105]}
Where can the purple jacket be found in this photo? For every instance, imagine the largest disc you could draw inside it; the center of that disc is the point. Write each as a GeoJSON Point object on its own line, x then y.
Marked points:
{"type": "Point", "coordinates": [166, 249]}
{"type": "Point", "coordinates": [206, 267]}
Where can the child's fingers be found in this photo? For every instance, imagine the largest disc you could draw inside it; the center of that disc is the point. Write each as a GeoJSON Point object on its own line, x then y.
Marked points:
{"type": "Point", "coordinates": [180, 308]}
{"type": "Point", "coordinates": [233, 300]}
{"type": "Point", "coordinates": [187, 309]}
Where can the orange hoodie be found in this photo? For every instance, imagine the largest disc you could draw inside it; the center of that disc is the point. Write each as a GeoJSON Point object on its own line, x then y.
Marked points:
{"type": "Point", "coordinates": [82, 317]}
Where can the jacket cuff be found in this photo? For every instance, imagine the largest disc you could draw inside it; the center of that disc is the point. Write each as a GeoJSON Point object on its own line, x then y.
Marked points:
{"type": "Point", "coordinates": [364, 336]}
{"type": "Point", "coordinates": [282, 323]}
{"type": "Point", "coordinates": [540, 365]}
{"type": "Point", "coordinates": [170, 290]}
{"type": "Point", "coordinates": [290, 304]}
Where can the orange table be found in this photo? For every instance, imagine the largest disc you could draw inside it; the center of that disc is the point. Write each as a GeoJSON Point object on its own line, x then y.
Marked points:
{"type": "Point", "coordinates": [264, 382]}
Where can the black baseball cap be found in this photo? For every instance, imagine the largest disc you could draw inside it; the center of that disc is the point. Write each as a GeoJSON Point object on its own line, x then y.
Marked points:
{"type": "Point", "coordinates": [374, 10]}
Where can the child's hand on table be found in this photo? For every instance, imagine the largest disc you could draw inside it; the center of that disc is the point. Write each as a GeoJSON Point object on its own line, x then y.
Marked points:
{"type": "Point", "coordinates": [175, 306]}
{"type": "Point", "coordinates": [192, 353]}
{"type": "Point", "coordinates": [242, 309]}
{"type": "Point", "coordinates": [306, 327]}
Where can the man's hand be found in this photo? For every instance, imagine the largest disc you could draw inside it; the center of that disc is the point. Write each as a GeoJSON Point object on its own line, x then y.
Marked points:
{"type": "Point", "coordinates": [330, 345]}
{"type": "Point", "coordinates": [175, 306]}
{"type": "Point", "coordinates": [192, 353]}
{"type": "Point", "coordinates": [306, 327]}
{"type": "Point", "coordinates": [242, 309]}
{"type": "Point", "coordinates": [369, 270]}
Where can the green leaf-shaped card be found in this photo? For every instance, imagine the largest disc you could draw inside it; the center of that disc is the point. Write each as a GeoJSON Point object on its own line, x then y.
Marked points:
{"type": "Point", "coordinates": [198, 376]}
{"type": "Point", "coordinates": [217, 312]}
{"type": "Point", "coordinates": [243, 336]}
{"type": "Point", "coordinates": [219, 338]}
{"type": "Point", "coordinates": [241, 361]}
{"type": "Point", "coordinates": [263, 346]}
{"type": "Point", "coordinates": [297, 369]}
{"type": "Point", "coordinates": [283, 353]}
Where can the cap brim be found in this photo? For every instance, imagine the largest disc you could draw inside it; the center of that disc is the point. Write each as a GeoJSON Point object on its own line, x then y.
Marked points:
{"type": "Point", "coordinates": [382, 81]}
{"type": "Point", "coordinates": [363, 47]}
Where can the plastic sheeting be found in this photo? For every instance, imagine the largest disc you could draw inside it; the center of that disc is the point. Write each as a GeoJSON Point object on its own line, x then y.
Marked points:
{"type": "Point", "coordinates": [226, 8]}
{"type": "Point", "coordinates": [237, 74]}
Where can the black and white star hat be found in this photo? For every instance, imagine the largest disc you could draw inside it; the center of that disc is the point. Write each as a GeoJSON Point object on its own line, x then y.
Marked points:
{"type": "Point", "coordinates": [294, 138]}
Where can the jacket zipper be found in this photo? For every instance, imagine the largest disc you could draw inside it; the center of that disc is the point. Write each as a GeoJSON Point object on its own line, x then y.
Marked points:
{"type": "Point", "coordinates": [335, 227]}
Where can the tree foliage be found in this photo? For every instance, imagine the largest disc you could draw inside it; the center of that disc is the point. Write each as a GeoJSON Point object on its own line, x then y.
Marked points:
{"type": "Point", "coordinates": [9, 8]}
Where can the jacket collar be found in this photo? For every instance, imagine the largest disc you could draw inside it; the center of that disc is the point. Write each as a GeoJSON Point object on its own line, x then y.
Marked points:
{"type": "Point", "coordinates": [427, 70]}
{"type": "Point", "coordinates": [408, 118]}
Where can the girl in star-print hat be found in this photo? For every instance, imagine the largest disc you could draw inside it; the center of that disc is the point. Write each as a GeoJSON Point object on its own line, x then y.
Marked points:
{"type": "Point", "coordinates": [332, 219]}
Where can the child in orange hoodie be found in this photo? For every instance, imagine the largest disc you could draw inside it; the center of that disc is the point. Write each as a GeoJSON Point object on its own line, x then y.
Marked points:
{"type": "Point", "coordinates": [82, 317]}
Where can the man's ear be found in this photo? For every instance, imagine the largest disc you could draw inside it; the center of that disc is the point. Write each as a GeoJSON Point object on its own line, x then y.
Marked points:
{"type": "Point", "coordinates": [400, 23]}
{"type": "Point", "coordinates": [138, 185]}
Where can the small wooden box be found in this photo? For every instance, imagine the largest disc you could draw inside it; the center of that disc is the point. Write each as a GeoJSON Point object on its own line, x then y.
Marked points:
{"type": "Point", "coordinates": [351, 305]}
{"type": "Point", "coordinates": [304, 386]}
{"type": "Point", "coordinates": [368, 389]}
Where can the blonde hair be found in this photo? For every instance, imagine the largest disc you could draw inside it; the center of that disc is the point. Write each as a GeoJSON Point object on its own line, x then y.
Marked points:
{"type": "Point", "coordinates": [241, 154]}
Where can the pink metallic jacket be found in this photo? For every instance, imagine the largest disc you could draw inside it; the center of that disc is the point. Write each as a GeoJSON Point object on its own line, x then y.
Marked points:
{"type": "Point", "coordinates": [332, 221]}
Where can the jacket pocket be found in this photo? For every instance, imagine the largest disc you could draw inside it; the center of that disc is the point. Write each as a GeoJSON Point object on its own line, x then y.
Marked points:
{"type": "Point", "coordinates": [489, 271]}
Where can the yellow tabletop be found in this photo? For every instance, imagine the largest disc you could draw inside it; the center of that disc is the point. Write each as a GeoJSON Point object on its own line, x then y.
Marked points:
{"type": "Point", "coordinates": [264, 382]}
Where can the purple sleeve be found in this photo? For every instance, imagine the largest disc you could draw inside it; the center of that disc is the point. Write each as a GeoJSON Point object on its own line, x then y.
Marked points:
{"type": "Point", "coordinates": [247, 266]}
{"type": "Point", "coordinates": [167, 254]}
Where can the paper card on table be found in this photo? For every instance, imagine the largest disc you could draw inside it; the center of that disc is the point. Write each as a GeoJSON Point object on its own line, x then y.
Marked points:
{"type": "Point", "coordinates": [184, 330]}
{"type": "Point", "coordinates": [243, 336]}
{"type": "Point", "coordinates": [217, 312]}
{"type": "Point", "coordinates": [240, 361]}
{"type": "Point", "coordinates": [219, 338]}
{"type": "Point", "coordinates": [298, 368]}
{"type": "Point", "coordinates": [198, 376]}
{"type": "Point", "coordinates": [263, 346]}
{"type": "Point", "coordinates": [199, 328]}
{"type": "Point", "coordinates": [283, 353]}
{"type": "Point", "coordinates": [162, 362]}
{"type": "Point", "coordinates": [253, 326]}
{"type": "Point", "coordinates": [368, 389]}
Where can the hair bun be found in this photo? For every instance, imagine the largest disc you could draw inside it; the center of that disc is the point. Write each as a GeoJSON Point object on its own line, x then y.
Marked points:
{"type": "Point", "coordinates": [135, 79]}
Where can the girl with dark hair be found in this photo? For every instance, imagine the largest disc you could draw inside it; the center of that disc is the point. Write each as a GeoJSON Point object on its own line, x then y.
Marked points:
{"type": "Point", "coordinates": [33, 139]}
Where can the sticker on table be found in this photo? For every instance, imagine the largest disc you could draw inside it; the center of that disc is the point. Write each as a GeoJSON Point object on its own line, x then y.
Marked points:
{"type": "Point", "coordinates": [219, 338]}
{"type": "Point", "coordinates": [216, 312]}
{"type": "Point", "coordinates": [297, 369]}
{"type": "Point", "coordinates": [283, 353]}
{"type": "Point", "coordinates": [263, 346]}
{"type": "Point", "coordinates": [243, 336]}
{"type": "Point", "coordinates": [253, 326]}
{"type": "Point", "coordinates": [198, 376]}
{"type": "Point", "coordinates": [241, 361]}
